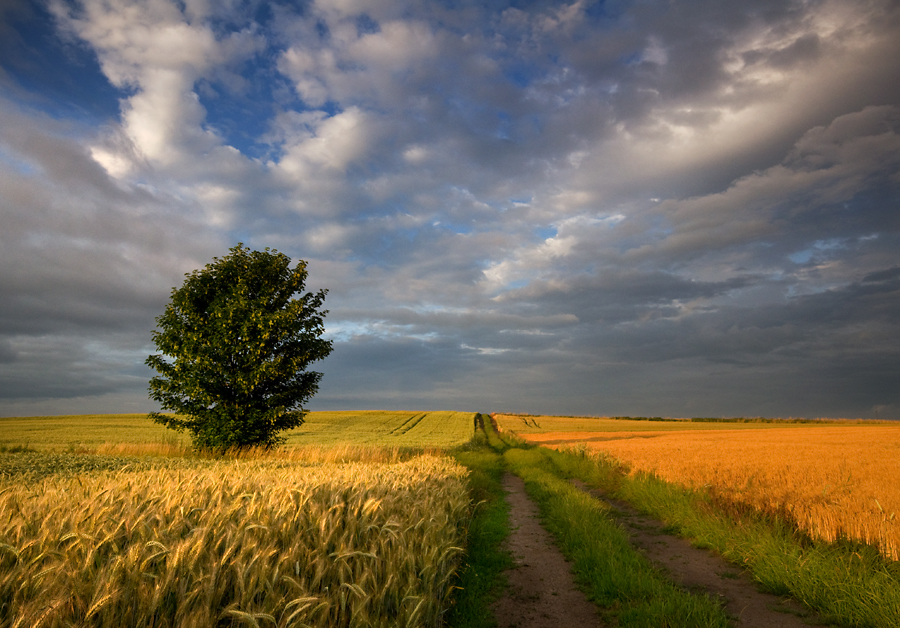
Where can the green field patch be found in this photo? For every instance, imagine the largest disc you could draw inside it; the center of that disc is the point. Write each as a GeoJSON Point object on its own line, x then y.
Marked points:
{"type": "Point", "coordinates": [384, 428]}
{"type": "Point", "coordinates": [85, 430]}
{"type": "Point", "coordinates": [369, 427]}
{"type": "Point", "coordinates": [408, 424]}
{"type": "Point", "coordinates": [32, 466]}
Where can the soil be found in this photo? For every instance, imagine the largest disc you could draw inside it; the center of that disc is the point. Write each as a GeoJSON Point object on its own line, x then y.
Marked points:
{"type": "Point", "coordinates": [542, 591]}
{"type": "Point", "coordinates": [703, 571]}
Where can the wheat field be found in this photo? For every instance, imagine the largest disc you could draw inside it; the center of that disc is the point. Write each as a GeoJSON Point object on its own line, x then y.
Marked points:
{"type": "Point", "coordinates": [832, 480]}
{"type": "Point", "coordinates": [247, 542]}
{"type": "Point", "coordinates": [376, 428]}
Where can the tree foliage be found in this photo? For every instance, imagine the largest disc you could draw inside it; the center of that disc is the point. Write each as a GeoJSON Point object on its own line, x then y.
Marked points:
{"type": "Point", "coordinates": [234, 347]}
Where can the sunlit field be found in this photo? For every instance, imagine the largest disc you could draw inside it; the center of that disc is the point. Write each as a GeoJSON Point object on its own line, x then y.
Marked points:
{"type": "Point", "coordinates": [833, 479]}
{"type": "Point", "coordinates": [110, 521]}
{"type": "Point", "coordinates": [88, 430]}
{"type": "Point", "coordinates": [255, 541]}
{"type": "Point", "coordinates": [378, 428]}
{"type": "Point", "coordinates": [393, 429]}
{"type": "Point", "coordinates": [600, 426]}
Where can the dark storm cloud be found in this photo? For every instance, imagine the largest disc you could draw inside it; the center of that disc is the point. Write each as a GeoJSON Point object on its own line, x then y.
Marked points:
{"type": "Point", "coordinates": [821, 326]}
{"type": "Point", "coordinates": [619, 295]}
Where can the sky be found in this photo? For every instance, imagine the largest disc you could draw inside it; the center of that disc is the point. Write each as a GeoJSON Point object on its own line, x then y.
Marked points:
{"type": "Point", "coordinates": [651, 208]}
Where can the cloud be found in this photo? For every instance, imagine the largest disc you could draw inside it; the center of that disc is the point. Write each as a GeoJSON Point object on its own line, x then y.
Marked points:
{"type": "Point", "coordinates": [150, 49]}
{"type": "Point", "coordinates": [87, 262]}
{"type": "Point", "coordinates": [327, 144]}
{"type": "Point", "coordinates": [828, 165]}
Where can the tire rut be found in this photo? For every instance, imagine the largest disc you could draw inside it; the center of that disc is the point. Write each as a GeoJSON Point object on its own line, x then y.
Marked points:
{"type": "Point", "coordinates": [541, 591]}
{"type": "Point", "coordinates": [703, 571]}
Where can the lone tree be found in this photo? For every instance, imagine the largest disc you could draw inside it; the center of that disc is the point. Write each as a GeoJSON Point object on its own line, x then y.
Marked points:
{"type": "Point", "coordinates": [238, 344]}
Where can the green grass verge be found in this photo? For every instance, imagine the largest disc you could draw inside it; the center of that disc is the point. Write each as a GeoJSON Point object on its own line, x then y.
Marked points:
{"type": "Point", "coordinates": [481, 578]}
{"type": "Point", "coordinates": [631, 592]}
{"type": "Point", "coordinates": [847, 583]}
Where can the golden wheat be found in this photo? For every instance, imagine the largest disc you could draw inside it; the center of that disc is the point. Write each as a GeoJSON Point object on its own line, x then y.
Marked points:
{"type": "Point", "coordinates": [832, 481]}
{"type": "Point", "coordinates": [253, 542]}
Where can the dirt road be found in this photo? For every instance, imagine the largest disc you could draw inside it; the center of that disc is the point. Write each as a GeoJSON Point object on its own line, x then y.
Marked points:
{"type": "Point", "coordinates": [542, 592]}
{"type": "Point", "coordinates": [703, 571]}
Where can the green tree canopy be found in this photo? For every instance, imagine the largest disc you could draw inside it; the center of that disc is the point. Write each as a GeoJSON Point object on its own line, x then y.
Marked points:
{"type": "Point", "coordinates": [234, 347]}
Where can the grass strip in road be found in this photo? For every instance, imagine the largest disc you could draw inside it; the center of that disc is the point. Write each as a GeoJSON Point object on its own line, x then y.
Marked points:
{"type": "Point", "coordinates": [631, 592]}
{"type": "Point", "coordinates": [846, 583]}
{"type": "Point", "coordinates": [481, 578]}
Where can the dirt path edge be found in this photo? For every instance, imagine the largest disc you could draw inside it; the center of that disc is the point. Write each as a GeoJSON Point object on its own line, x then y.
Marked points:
{"type": "Point", "coordinates": [703, 571]}
{"type": "Point", "coordinates": [542, 591]}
